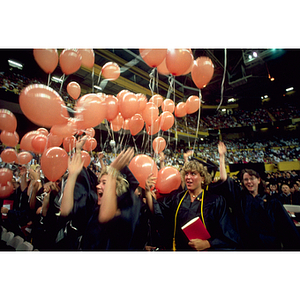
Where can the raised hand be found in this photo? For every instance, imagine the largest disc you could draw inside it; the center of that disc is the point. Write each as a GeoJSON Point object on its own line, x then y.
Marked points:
{"type": "Point", "coordinates": [122, 159]}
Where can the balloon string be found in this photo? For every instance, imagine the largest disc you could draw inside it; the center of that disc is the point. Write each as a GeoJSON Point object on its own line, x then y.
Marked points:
{"type": "Point", "coordinates": [134, 143]}
{"type": "Point", "coordinates": [93, 73]}
{"type": "Point", "coordinates": [151, 80]}
{"type": "Point", "coordinates": [224, 73]}
{"type": "Point", "coordinates": [49, 76]}
{"type": "Point", "coordinates": [199, 120]}
{"type": "Point", "coordinates": [99, 77]}
{"type": "Point", "coordinates": [62, 82]}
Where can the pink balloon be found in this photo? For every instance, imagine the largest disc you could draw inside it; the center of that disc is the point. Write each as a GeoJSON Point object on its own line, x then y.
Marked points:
{"type": "Point", "coordinates": [178, 61]}
{"type": "Point", "coordinates": [5, 175]}
{"type": "Point", "coordinates": [90, 144]}
{"type": "Point", "coordinates": [192, 104]}
{"type": "Point", "coordinates": [43, 106]}
{"type": "Point", "coordinates": [150, 113]}
{"type": "Point", "coordinates": [43, 131]}
{"type": "Point", "coordinates": [69, 143]}
{"type": "Point", "coordinates": [10, 139]}
{"type": "Point", "coordinates": [159, 144]}
{"type": "Point", "coordinates": [168, 180]}
{"type": "Point", "coordinates": [180, 110]}
{"type": "Point", "coordinates": [6, 189]}
{"type": "Point", "coordinates": [162, 68]}
{"type": "Point", "coordinates": [117, 123]}
{"type": "Point", "coordinates": [9, 155]}
{"type": "Point", "coordinates": [47, 59]}
{"type": "Point", "coordinates": [24, 158]}
{"type": "Point", "coordinates": [128, 106]}
{"type": "Point", "coordinates": [166, 120]}
{"type": "Point", "coordinates": [136, 124]}
{"type": "Point", "coordinates": [111, 71]}
{"type": "Point", "coordinates": [112, 107]}
{"type": "Point", "coordinates": [74, 90]}
{"type": "Point", "coordinates": [65, 130]}
{"type": "Point", "coordinates": [39, 143]}
{"type": "Point", "coordinates": [85, 158]}
{"type": "Point", "coordinates": [142, 100]}
{"type": "Point", "coordinates": [54, 140]}
{"type": "Point", "coordinates": [88, 57]}
{"type": "Point", "coordinates": [141, 166]}
{"type": "Point", "coordinates": [70, 61]}
{"type": "Point", "coordinates": [153, 57]}
{"type": "Point", "coordinates": [168, 105]}
{"type": "Point", "coordinates": [90, 132]}
{"type": "Point", "coordinates": [25, 143]}
{"type": "Point", "coordinates": [154, 127]}
{"type": "Point", "coordinates": [202, 71]}
{"type": "Point", "coordinates": [156, 99]}
{"type": "Point", "coordinates": [8, 120]}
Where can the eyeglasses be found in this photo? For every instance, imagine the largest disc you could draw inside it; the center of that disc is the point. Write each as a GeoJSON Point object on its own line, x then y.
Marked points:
{"type": "Point", "coordinates": [249, 179]}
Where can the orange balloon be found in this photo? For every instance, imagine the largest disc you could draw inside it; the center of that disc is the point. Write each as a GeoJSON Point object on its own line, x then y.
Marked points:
{"type": "Point", "coordinates": [70, 61]}
{"type": "Point", "coordinates": [121, 94]}
{"type": "Point", "coordinates": [128, 106]}
{"type": "Point", "coordinates": [150, 113]}
{"type": "Point", "coordinates": [25, 143]}
{"type": "Point", "coordinates": [47, 59]}
{"type": "Point", "coordinates": [126, 124]}
{"type": "Point", "coordinates": [90, 132]}
{"type": "Point", "coordinates": [69, 143]}
{"type": "Point", "coordinates": [54, 163]}
{"type": "Point", "coordinates": [5, 175]}
{"type": "Point", "coordinates": [153, 57]}
{"type": "Point", "coordinates": [111, 71]}
{"type": "Point", "coordinates": [159, 144]}
{"type": "Point", "coordinates": [136, 124]}
{"type": "Point", "coordinates": [168, 105]}
{"type": "Point", "coordinates": [202, 71]}
{"type": "Point", "coordinates": [54, 140]}
{"type": "Point", "coordinates": [39, 143]}
{"type": "Point", "coordinates": [8, 120]}
{"type": "Point", "coordinates": [112, 107]}
{"type": "Point", "coordinates": [178, 61]}
{"type": "Point", "coordinates": [90, 144]}
{"type": "Point", "coordinates": [166, 120]}
{"type": "Point", "coordinates": [162, 68]}
{"type": "Point", "coordinates": [117, 123]}
{"type": "Point", "coordinates": [24, 158]}
{"type": "Point", "coordinates": [43, 106]}
{"type": "Point", "coordinates": [190, 67]}
{"type": "Point", "coordinates": [10, 139]}
{"type": "Point", "coordinates": [156, 99]}
{"type": "Point", "coordinates": [85, 158]}
{"type": "Point", "coordinates": [9, 155]}
{"type": "Point", "coordinates": [88, 57]}
{"type": "Point", "coordinates": [154, 127]}
{"type": "Point", "coordinates": [168, 180]}
{"type": "Point", "coordinates": [65, 130]}
{"type": "Point", "coordinates": [141, 166]}
{"type": "Point", "coordinates": [74, 90]}
{"type": "Point", "coordinates": [192, 104]}
{"type": "Point", "coordinates": [43, 131]}
{"type": "Point", "coordinates": [6, 189]}
{"type": "Point", "coordinates": [142, 100]}
{"type": "Point", "coordinates": [90, 111]}
{"type": "Point", "coordinates": [180, 110]}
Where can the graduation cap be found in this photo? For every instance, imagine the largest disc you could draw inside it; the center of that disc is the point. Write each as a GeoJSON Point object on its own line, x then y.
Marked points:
{"type": "Point", "coordinates": [211, 167]}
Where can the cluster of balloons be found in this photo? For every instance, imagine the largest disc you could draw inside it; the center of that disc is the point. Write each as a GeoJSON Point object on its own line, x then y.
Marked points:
{"type": "Point", "coordinates": [180, 62]}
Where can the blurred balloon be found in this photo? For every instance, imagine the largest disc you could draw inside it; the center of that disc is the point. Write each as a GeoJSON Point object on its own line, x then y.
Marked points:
{"type": "Point", "coordinates": [54, 140]}
{"type": "Point", "coordinates": [24, 158]}
{"type": "Point", "coordinates": [43, 106]}
{"type": "Point", "coordinates": [88, 57]}
{"type": "Point", "coordinates": [74, 89]}
{"type": "Point", "coordinates": [69, 143]}
{"type": "Point", "coordinates": [85, 158]}
{"type": "Point", "coordinates": [168, 105]}
{"type": "Point", "coordinates": [180, 110]}
{"type": "Point", "coordinates": [153, 57]}
{"type": "Point", "coordinates": [128, 106]}
{"type": "Point", "coordinates": [142, 100]}
{"type": "Point", "coordinates": [126, 124]}
{"type": "Point", "coordinates": [166, 120]}
{"type": "Point", "coordinates": [25, 143]}
{"type": "Point", "coordinates": [65, 130]}
{"type": "Point", "coordinates": [192, 104]}
{"type": "Point", "coordinates": [121, 94]}
{"type": "Point", "coordinates": [90, 144]}
{"type": "Point", "coordinates": [150, 113]}
{"type": "Point", "coordinates": [39, 143]}
{"type": "Point", "coordinates": [70, 61]}
{"type": "Point", "coordinates": [5, 175]}
{"type": "Point", "coordinates": [90, 132]}
{"type": "Point", "coordinates": [141, 166]}
{"type": "Point", "coordinates": [6, 189]}
{"type": "Point", "coordinates": [162, 68]}
{"type": "Point", "coordinates": [10, 139]}
{"type": "Point", "coordinates": [202, 71]}
{"type": "Point", "coordinates": [9, 155]}
{"type": "Point", "coordinates": [191, 65]}
{"type": "Point", "coordinates": [168, 180]}
{"type": "Point", "coordinates": [178, 61]}
{"type": "Point", "coordinates": [47, 59]}
{"type": "Point", "coordinates": [159, 144]}
{"type": "Point", "coordinates": [112, 107]}
{"type": "Point", "coordinates": [111, 71]}
{"type": "Point", "coordinates": [43, 131]}
{"type": "Point", "coordinates": [8, 120]}
{"type": "Point", "coordinates": [136, 124]}
{"type": "Point", "coordinates": [156, 99]}
{"type": "Point", "coordinates": [112, 143]}
{"type": "Point", "coordinates": [117, 123]}
{"type": "Point", "coordinates": [54, 163]}
{"type": "Point", "coordinates": [90, 111]}
{"type": "Point", "coordinates": [154, 127]}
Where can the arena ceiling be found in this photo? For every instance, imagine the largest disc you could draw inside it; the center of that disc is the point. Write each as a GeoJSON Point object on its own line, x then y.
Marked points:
{"type": "Point", "coordinates": [244, 79]}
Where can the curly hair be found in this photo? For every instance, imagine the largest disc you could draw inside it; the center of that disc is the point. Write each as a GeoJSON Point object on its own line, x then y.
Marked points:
{"type": "Point", "coordinates": [194, 165]}
{"type": "Point", "coordinates": [122, 184]}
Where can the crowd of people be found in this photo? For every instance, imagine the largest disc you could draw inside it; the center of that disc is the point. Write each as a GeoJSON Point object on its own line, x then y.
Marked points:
{"type": "Point", "coordinates": [104, 207]}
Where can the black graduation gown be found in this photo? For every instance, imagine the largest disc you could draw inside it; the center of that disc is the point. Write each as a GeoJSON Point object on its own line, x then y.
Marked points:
{"type": "Point", "coordinates": [216, 217]}
{"type": "Point", "coordinates": [117, 233]}
{"type": "Point", "coordinates": [263, 222]}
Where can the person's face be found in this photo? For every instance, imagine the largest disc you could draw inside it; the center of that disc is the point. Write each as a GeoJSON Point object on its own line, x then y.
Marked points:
{"type": "Point", "coordinates": [193, 180]}
{"type": "Point", "coordinates": [251, 183]}
{"type": "Point", "coordinates": [100, 187]}
{"type": "Point", "coordinates": [273, 187]}
{"type": "Point", "coordinates": [285, 189]}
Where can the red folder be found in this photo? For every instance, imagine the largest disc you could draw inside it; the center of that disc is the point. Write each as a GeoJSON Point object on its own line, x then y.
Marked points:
{"type": "Point", "coordinates": [8, 204]}
{"type": "Point", "coordinates": [194, 229]}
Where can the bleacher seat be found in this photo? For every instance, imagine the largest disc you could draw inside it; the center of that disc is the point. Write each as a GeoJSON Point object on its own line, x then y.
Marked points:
{"type": "Point", "coordinates": [15, 242]}
{"type": "Point", "coordinates": [25, 246]}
